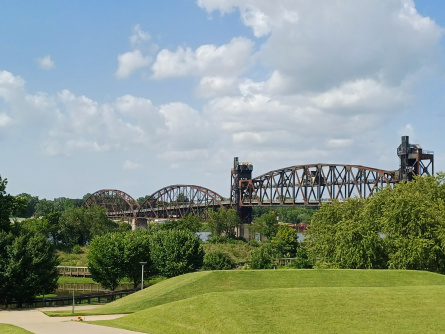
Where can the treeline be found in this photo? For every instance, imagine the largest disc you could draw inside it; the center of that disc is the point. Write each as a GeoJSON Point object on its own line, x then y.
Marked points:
{"type": "Point", "coordinates": [400, 228]}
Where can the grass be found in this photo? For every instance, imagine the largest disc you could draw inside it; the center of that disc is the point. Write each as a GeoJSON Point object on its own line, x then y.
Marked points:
{"type": "Point", "coordinates": [72, 259]}
{"type": "Point", "coordinates": [11, 329]}
{"type": "Point", "coordinates": [283, 301]}
{"type": "Point", "coordinates": [237, 251]}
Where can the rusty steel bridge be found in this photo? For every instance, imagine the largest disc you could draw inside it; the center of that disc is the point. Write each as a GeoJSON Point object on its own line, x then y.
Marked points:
{"type": "Point", "coordinates": [301, 185]}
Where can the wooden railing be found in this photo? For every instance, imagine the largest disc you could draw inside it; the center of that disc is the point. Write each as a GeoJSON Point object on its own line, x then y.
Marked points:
{"type": "Point", "coordinates": [74, 271]}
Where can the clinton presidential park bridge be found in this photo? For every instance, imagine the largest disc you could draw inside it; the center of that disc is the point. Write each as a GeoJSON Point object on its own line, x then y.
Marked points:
{"type": "Point", "coordinates": [301, 185]}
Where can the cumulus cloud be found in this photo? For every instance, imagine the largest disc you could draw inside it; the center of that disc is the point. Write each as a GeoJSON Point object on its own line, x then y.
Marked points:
{"type": "Point", "coordinates": [321, 79]}
{"type": "Point", "coordinates": [46, 63]}
{"type": "Point", "coordinates": [131, 61]}
{"type": "Point", "coordinates": [206, 60]}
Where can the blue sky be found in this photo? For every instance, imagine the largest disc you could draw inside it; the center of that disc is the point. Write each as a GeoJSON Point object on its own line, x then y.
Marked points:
{"type": "Point", "coordinates": [140, 95]}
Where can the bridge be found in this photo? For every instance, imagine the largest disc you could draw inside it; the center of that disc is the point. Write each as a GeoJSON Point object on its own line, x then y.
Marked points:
{"type": "Point", "coordinates": [300, 185]}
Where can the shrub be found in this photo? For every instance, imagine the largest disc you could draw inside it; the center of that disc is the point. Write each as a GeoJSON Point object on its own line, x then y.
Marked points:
{"type": "Point", "coordinates": [76, 249]}
{"type": "Point", "coordinates": [262, 257]}
{"type": "Point", "coordinates": [217, 261]}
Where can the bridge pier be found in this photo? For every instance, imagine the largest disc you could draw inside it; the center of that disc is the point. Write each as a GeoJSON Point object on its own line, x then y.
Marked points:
{"type": "Point", "coordinates": [139, 223]}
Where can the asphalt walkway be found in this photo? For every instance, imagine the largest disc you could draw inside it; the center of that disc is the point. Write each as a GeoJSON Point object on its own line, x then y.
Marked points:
{"type": "Point", "coordinates": [36, 322]}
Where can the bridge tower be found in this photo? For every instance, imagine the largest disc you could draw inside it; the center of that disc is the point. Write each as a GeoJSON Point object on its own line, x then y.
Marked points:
{"type": "Point", "coordinates": [414, 160]}
{"type": "Point", "coordinates": [240, 171]}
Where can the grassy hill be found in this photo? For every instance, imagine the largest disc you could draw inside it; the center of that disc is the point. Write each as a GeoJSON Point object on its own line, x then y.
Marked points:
{"type": "Point", "coordinates": [283, 301]}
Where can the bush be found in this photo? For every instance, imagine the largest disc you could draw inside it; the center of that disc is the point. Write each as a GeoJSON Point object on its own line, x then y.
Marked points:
{"type": "Point", "coordinates": [302, 260]}
{"type": "Point", "coordinates": [76, 249]}
{"type": "Point", "coordinates": [254, 243]}
{"type": "Point", "coordinates": [262, 257]}
{"type": "Point", "coordinates": [217, 261]}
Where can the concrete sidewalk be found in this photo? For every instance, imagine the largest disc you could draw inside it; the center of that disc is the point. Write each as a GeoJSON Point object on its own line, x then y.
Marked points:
{"type": "Point", "coordinates": [36, 322]}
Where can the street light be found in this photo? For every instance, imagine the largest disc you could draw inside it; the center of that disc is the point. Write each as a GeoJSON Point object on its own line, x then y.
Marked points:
{"type": "Point", "coordinates": [142, 281]}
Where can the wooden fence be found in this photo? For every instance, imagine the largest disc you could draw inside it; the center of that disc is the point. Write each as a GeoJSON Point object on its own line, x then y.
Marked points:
{"type": "Point", "coordinates": [74, 271]}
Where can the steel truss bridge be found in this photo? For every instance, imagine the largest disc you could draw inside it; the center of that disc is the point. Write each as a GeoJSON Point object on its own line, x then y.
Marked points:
{"type": "Point", "coordinates": [300, 185]}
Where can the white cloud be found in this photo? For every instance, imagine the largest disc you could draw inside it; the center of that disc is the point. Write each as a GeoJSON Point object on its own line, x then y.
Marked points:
{"type": "Point", "coordinates": [131, 165]}
{"type": "Point", "coordinates": [131, 61]}
{"type": "Point", "coordinates": [5, 120]}
{"type": "Point", "coordinates": [206, 60]}
{"type": "Point", "coordinates": [139, 36]}
{"type": "Point", "coordinates": [46, 63]}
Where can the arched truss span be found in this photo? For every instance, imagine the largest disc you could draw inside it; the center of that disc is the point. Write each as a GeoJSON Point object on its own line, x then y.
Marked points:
{"type": "Point", "coordinates": [116, 202]}
{"type": "Point", "coordinates": [314, 184]}
{"type": "Point", "coordinates": [178, 201]}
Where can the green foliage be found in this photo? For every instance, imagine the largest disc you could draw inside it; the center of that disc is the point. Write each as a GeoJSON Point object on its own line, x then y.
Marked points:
{"type": "Point", "coordinates": [27, 266]}
{"type": "Point", "coordinates": [302, 260]}
{"type": "Point", "coordinates": [223, 222]}
{"type": "Point", "coordinates": [263, 257]}
{"type": "Point", "coordinates": [190, 223]}
{"type": "Point", "coordinates": [285, 241]}
{"type": "Point", "coordinates": [343, 236]}
{"type": "Point", "coordinates": [239, 251]}
{"type": "Point", "coordinates": [266, 225]}
{"type": "Point", "coordinates": [137, 249]}
{"type": "Point", "coordinates": [175, 252]}
{"type": "Point", "coordinates": [78, 226]}
{"type": "Point", "coordinates": [6, 206]}
{"type": "Point", "coordinates": [413, 219]}
{"type": "Point", "coordinates": [77, 249]}
{"type": "Point", "coordinates": [217, 260]}
{"type": "Point", "coordinates": [106, 259]}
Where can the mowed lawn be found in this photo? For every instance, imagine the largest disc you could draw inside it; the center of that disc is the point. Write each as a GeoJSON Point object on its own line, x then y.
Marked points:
{"type": "Point", "coordinates": [11, 329]}
{"type": "Point", "coordinates": [284, 301]}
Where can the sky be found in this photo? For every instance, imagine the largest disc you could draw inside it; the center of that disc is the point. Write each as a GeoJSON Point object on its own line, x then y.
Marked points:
{"type": "Point", "coordinates": [139, 95]}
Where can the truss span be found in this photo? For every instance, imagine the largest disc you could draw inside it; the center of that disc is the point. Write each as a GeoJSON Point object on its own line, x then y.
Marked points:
{"type": "Point", "coordinates": [177, 201]}
{"type": "Point", "coordinates": [313, 184]}
{"type": "Point", "coordinates": [117, 203]}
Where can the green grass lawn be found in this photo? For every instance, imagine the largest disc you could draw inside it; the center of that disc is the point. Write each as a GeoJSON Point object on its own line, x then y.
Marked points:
{"type": "Point", "coordinates": [11, 329]}
{"type": "Point", "coordinates": [284, 301]}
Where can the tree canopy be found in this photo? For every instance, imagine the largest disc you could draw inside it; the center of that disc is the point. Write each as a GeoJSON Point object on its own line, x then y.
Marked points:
{"type": "Point", "coordinates": [397, 228]}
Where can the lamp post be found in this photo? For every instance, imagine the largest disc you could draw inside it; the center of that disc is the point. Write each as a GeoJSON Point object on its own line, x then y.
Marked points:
{"type": "Point", "coordinates": [74, 286]}
{"type": "Point", "coordinates": [142, 281]}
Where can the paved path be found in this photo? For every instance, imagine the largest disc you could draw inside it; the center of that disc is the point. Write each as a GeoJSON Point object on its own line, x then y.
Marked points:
{"type": "Point", "coordinates": [36, 322]}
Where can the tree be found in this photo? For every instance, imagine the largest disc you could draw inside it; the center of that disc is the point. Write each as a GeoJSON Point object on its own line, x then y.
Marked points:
{"type": "Point", "coordinates": [6, 206]}
{"type": "Point", "coordinates": [343, 236]}
{"type": "Point", "coordinates": [29, 266]}
{"type": "Point", "coordinates": [175, 252]}
{"type": "Point", "coordinates": [223, 222]}
{"type": "Point", "coordinates": [285, 241]}
{"type": "Point", "coordinates": [78, 226]}
{"type": "Point", "coordinates": [266, 225]}
{"type": "Point", "coordinates": [190, 223]}
{"type": "Point", "coordinates": [44, 207]}
{"type": "Point", "coordinates": [413, 219]}
{"type": "Point", "coordinates": [136, 250]}
{"type": "Point", "coordinates": [106, 259]}
{"type": "Point", "coordinates": [27, 260]}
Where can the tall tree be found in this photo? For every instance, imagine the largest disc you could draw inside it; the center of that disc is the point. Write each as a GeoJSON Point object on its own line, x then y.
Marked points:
{"type": "Point", "coordinates": [106, 259]}
{"type": "Point", "coordinates": [175, 252]}
{"type": "Point", "coordinates": [6, 206]}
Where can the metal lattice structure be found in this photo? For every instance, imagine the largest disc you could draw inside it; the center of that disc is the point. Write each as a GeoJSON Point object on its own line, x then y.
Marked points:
{"type": "Point", "coordinates": [177, 201]}
{"type": "Point", "coordinates": [313, 184]}
{"type": "Point", "coordinates": [117, 203]}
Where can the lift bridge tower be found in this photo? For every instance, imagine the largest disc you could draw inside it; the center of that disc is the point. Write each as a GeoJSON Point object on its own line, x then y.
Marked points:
{"type": "Point", "coordinates": [414, 160]}
{"type": "Point", "coordinates": [240, 171]}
